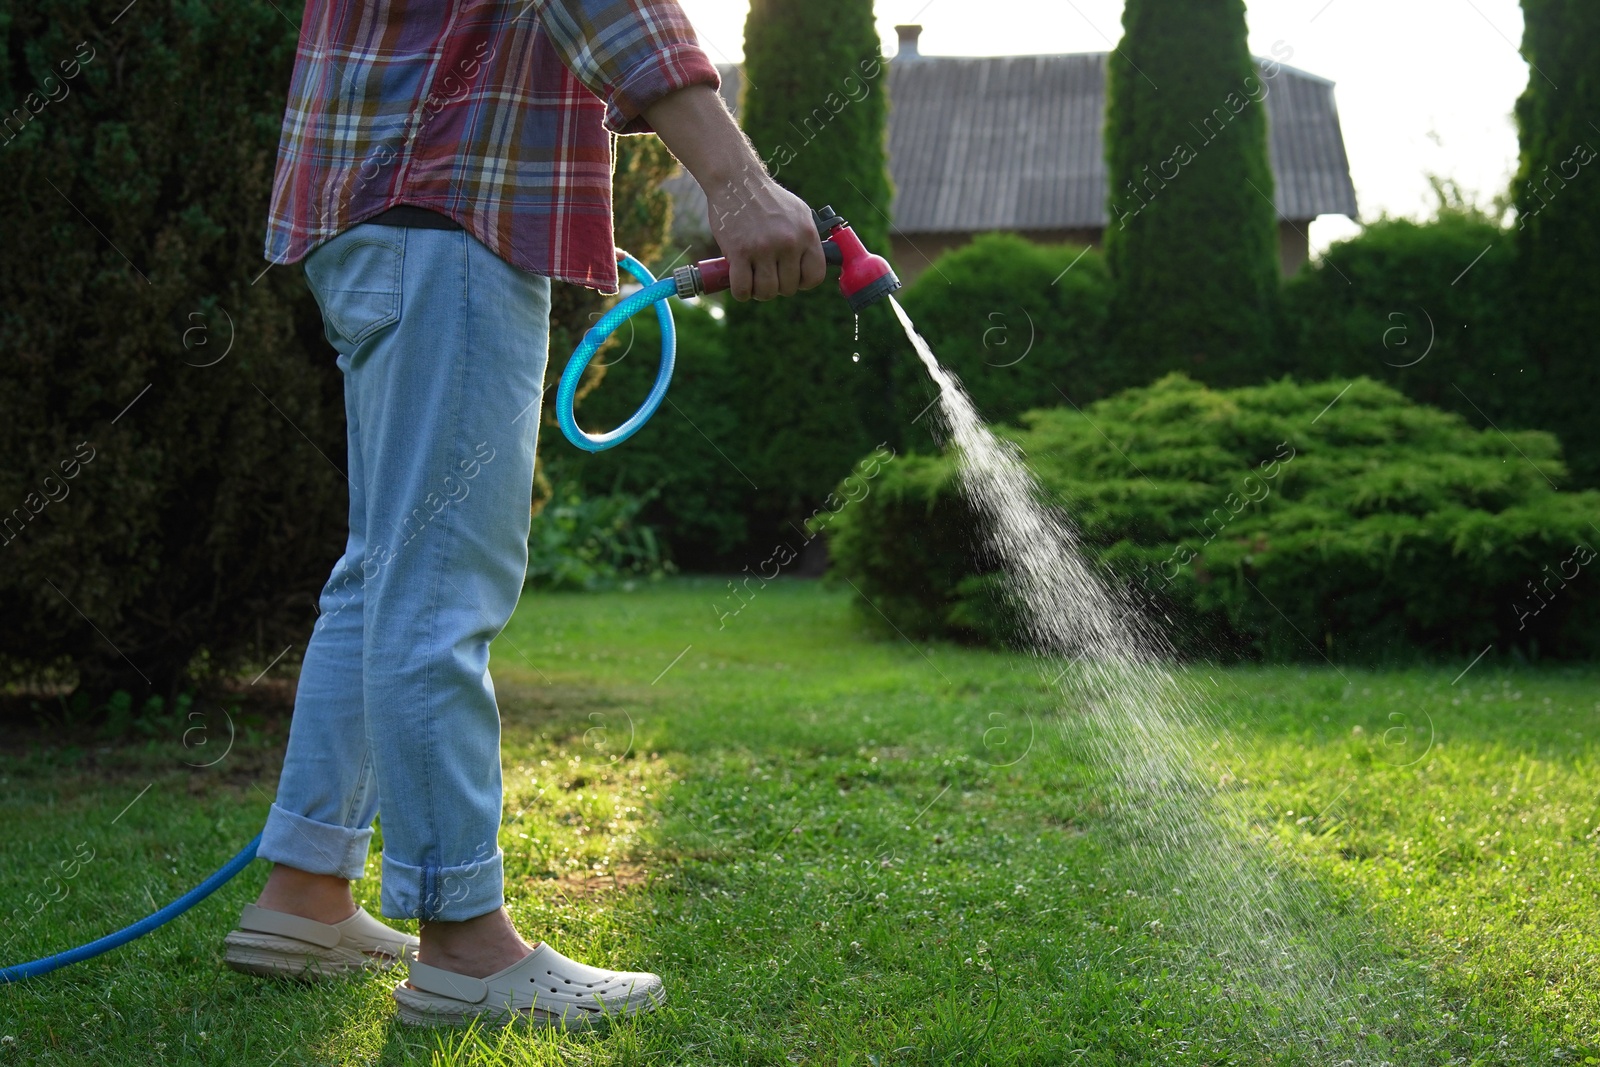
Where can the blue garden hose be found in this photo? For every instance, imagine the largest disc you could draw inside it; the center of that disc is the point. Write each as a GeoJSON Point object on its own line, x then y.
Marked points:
{"type": "Point", "coordinates": [105, 944]}
{"type": "Point", "coordinates": [654, 292]}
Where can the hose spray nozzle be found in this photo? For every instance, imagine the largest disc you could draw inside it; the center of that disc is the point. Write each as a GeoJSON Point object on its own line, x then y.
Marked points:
{"type": "Point", "coordinates": [864, 278]}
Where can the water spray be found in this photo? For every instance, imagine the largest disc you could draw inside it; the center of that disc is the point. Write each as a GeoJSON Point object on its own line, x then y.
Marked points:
{"type": "Point", "coordinates": [864, 279]}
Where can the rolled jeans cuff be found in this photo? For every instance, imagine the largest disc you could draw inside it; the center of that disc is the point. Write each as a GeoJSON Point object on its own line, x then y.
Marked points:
{"type": "Point", "coordinates": [316, 847]}
{"type": "Point", "coordinates": [443, 894]}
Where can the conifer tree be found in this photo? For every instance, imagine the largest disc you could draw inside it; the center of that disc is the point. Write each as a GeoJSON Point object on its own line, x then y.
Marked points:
{"type": "Point", "coordinates": [1557, 228]}
{"type": "Point", "coordinates": [815, 105]}
{"type": "Point", "coordinates": [1191, 240]}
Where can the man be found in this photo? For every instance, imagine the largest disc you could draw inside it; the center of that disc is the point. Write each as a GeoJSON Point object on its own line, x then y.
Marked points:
{"type": "Point", "coordinates": [441, 162]}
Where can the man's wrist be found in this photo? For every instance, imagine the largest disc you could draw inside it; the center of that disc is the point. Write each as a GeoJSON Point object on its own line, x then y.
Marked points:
{"type": "Point", "coordinates": [737, 183]}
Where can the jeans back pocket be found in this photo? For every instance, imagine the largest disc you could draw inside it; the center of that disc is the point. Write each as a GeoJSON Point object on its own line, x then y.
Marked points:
{"type": "Point", "coordinates": [356, 280]}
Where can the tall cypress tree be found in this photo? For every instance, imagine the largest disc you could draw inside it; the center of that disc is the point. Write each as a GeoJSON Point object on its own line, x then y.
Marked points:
{"type": "Point", "coordinates": [1191, 240]}
{"type": "Point", "coordinates": [1558, 221]}
{"type": "Point", "coordinates": [138, 320]}
{"type": "Point", "coordinates": [814, 105]}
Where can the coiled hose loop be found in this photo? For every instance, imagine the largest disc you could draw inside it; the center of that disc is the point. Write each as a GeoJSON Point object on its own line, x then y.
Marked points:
{"type": "Point", "coordinates": [654, 292]}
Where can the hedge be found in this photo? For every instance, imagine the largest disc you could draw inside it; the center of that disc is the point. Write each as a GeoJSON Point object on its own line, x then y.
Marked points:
{"type": "Point", "coordinates": [1399, 304]}
{"type": "Point", "coordinates": [170, 411]}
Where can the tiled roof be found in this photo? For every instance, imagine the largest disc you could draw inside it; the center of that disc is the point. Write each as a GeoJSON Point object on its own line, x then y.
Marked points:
{"type": "Point", "coordinates": [1015, 143]}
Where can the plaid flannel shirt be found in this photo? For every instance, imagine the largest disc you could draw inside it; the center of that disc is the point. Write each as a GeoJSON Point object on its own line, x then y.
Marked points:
{"type": "Point", "coordinates": [496, 113]}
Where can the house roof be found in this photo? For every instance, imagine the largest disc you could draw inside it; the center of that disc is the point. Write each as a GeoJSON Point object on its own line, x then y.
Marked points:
{"type": "Point", "coordinates": [1015, 143]}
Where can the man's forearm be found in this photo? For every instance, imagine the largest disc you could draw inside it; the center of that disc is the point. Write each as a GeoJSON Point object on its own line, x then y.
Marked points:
{"type": "Point", "coordinates": [766, 232]}
{"type": "Point", "coordinates": [697, 129]}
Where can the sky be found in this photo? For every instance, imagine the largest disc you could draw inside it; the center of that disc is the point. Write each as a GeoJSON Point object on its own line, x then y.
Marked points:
{"type": "Point", "coordinates": [1422, 86]}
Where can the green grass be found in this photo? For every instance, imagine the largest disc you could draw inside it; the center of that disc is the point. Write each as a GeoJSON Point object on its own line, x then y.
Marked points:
{"type": "Point", "coordinates": [841, 849]}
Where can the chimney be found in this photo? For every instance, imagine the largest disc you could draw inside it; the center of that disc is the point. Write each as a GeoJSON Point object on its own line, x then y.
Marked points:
{"type": "Point", "coordinates": [908, 42]}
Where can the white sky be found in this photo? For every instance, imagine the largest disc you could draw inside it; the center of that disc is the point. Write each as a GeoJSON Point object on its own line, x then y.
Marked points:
{"type": "Point", "coordinates": [1423, 86]}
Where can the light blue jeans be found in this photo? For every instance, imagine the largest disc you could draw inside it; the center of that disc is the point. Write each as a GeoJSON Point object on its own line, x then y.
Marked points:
{"type": "Point", "coordinates": [443, 349]}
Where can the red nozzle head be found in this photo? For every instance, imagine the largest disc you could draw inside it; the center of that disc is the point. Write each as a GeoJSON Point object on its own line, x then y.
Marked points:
{"type": "Point", "coordinates": [864, 278]}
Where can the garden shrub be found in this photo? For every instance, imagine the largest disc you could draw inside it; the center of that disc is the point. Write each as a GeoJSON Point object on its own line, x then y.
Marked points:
{"type": "Point", "coordinates": [171, 416]}
{"type": "Point", "coordinates": [1016, 322]}
{"type": "Point", "coordinates": [1264, 522]}
{"type": "Point", "coordinates": [594, 541]}
{"type": "Point", "coordinates": [1398, 304]}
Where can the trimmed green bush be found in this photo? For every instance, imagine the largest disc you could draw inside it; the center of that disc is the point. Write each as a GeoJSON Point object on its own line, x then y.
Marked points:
{"type": "Point", "coordinates": [1192, 237]}
{"type": "Point", "coordinates": [1019, 323]}
{"type": "Point", "coordinates": [1558, 219]}
{"type": "Point", "coordinates": [1398, 304]}
{"type": "Point", "coordinates": [814, 106]}
{"type": "Point", "coordinates": [1281, 521]}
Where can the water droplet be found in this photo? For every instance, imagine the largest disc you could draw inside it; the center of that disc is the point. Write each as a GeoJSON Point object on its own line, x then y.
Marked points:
{"type": "Point", "coordinates": [855, 357]}
{"type": "Point", "coordinates": [858, 327]}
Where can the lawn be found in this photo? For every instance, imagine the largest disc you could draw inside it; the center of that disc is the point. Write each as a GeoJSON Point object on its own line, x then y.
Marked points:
{"type": "Point", "coordinates": [840, 848]}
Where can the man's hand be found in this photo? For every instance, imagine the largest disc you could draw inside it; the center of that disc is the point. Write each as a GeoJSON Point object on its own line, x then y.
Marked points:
{"type": "Point", "coordinates": [767, 233]}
